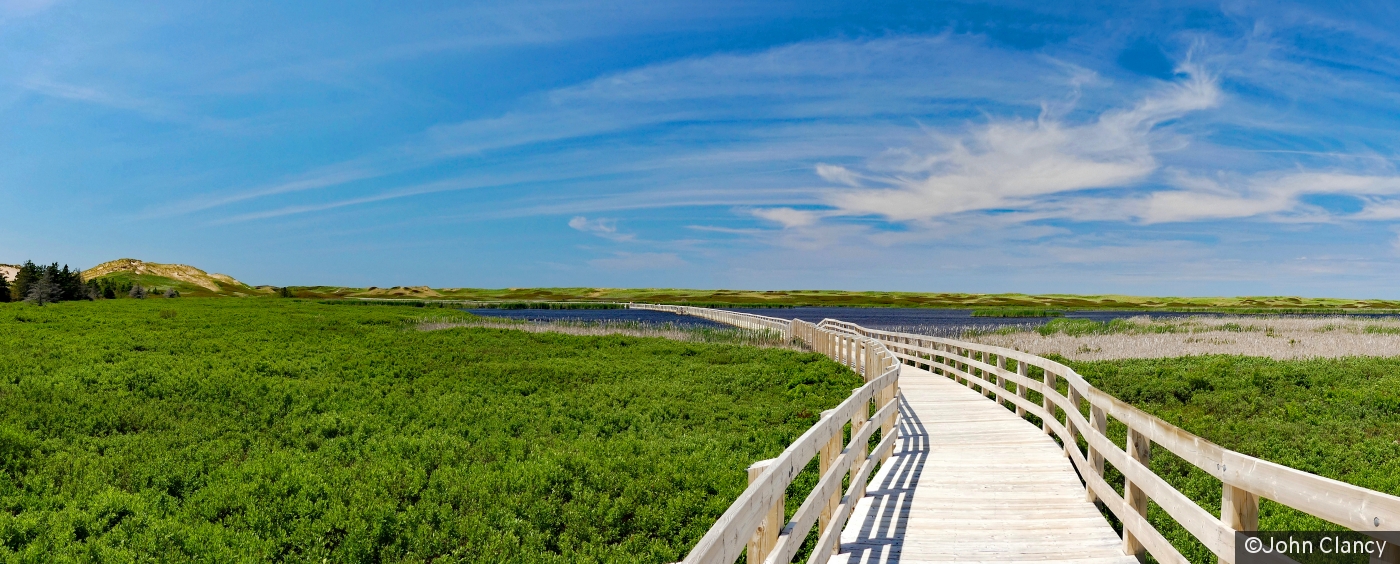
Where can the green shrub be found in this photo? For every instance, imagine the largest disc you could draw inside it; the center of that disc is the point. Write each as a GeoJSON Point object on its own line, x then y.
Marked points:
{"type": "Point", "coordinates": [284, 430]}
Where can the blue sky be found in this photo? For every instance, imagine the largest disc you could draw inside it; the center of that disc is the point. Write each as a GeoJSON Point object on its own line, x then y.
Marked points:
{"type": "Point", "coordinates": [1233, 148]}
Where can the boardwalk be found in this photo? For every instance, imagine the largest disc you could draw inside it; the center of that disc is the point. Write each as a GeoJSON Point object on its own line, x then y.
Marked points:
{"type": "Point", "coordinates": [972, 482]}
{"type": "Point", "coordinates": [968, 480]}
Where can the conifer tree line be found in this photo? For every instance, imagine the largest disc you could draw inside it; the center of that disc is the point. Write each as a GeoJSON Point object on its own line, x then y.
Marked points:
{"type": "Point", "coordinates": [46, 284]}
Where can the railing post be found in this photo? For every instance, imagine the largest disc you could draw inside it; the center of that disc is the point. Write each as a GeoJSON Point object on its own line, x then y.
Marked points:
{"type": "Point", "coordinates": [962, 366]}
{"type": "Point", "coordinates": [1139, 448]}
{"type": "Point", "coordinates": [887, 427]}
{"type": "Point", "coordinates": [766, 536]}
{"type": "Point", "coordinates": [1074, 401]}
{"type": "Point", "coordinates": [1023, 370]}
{"type": "Point", "coordinates": [865, 359]}
{"type": "Point", "coordinates": [1047, 404]}
{"type": "Point", "coordinates": [861, 450]}
{"type": "Point", "coordinates": [1098, 423]}
{"type": "Point", "coordinates": [828, 455]}
{"type": "Point", "coordinates": [986, 358]}
{"type": "Point", "coordinates": [1001, 382]}
{"type": "Point", "coordinates": [1239, 510]}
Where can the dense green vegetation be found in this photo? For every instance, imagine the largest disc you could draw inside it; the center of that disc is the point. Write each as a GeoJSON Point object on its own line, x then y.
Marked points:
{"type": "Point", "coordinates": [284, 430]}
{"type": "Point", "coordinates": [1338, 418]}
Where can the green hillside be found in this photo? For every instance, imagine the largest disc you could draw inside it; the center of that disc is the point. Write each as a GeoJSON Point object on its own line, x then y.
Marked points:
{"type": "Point", "coordinates": [185, 279]}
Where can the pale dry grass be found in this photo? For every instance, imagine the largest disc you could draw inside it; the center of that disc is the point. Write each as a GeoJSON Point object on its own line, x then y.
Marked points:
{"type": "Point", "coordinates": [1281, 338]}
{"type": "Point", "coordinates": [736, 336]}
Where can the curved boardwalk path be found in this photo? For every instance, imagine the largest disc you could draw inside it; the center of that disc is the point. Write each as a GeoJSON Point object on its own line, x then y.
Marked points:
{"type": "Point", "coordinates": [962, 477]}
{"type": "Point", "coordinates": [970, 481]}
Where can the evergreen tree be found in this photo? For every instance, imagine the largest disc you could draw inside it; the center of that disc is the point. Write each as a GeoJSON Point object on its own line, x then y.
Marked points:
{"type": "Point", "coordinates": [285, 292]}
{"type": "Point", "coordinates": [108, 292]}
{"type": "Point", "coordinates": [4, 288]}
{"type": "Point", "coordinates": [171, 293]}
{"type": "Point", "coordinates": [137, 292]}
{"type": "Point", "coordinates": [70, 283]}
{"type": "Point", "coordinates": [27, 275]}
{"type": "Point", "coordinates": [44, 290]}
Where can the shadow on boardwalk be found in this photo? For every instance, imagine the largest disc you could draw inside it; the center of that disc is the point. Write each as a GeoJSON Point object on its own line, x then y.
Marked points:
{"type": "Point", "coordinates": [970, 481]}
{"type": "Point", "coordinates": [876, 529]}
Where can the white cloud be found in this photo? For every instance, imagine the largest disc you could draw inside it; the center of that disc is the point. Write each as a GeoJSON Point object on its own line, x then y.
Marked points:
{"type": "Point", "coordinates": [1269, 194]}
{"type": "Point", "coordinates": [788, 217]}
{"type": "Point", "coordinates": [838, 174]}
{"type": "Point", "coordinates": [1011, 164]}
{"type": "Point", "coordinates": [605, 228]}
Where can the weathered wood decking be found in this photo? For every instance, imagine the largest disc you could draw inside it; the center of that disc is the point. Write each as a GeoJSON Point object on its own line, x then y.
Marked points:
{"type": "Point", "coordinates": [969, 481]}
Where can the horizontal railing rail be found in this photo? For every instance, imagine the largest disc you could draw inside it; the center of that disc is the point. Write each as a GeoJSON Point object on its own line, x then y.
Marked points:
{"type": "Point", "coordinates": [1244, 479]}
{"type": "Point", "coordinates": [756, 524]}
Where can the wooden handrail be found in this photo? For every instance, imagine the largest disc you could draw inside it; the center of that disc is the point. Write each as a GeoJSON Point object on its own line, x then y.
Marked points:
{"type": "Point", "coordinates": [1244, 479]}
{"type": "Point", "coordinates": [750, 521]}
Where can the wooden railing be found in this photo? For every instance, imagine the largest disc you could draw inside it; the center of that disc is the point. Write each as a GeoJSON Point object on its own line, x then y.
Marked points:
{"type": "Point", "coordinates": [1003, 375]}
{"type": "Point", "coordinates": [756, 524]}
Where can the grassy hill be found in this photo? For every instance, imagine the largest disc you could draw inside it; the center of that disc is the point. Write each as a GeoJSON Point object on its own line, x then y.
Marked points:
{"type": "Point", "coordinates": [186, 279]}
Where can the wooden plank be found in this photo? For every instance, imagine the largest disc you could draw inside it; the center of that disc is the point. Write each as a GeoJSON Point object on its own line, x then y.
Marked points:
{"type": "Point", "coordinates": [927, 491]}
{"type": "Point", "coordinates": [1239, 510]}
{"type": "Point", "coordinates": [1140, 450]}
{"type": "Point", "coordinates": [829, 484]}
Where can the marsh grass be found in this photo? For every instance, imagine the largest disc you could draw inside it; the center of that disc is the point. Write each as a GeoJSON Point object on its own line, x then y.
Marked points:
{"type": "Point", "coordinates": [1277, 337]}
{"type": "Point", "coordinates": [673, 331]}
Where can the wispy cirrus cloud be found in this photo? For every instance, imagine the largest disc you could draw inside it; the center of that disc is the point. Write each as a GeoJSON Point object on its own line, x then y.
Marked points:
{"type": "Point", "coordinates": [1011, 164]}
{"type": "Point", "coordinates": [1279, 195]}
{"type": "Point", "coordinates": [149, 108]}
{"type": "Point", "coordinates": [780, 108]}
{"type": "Point", "coordinates": [605, 228]}
{"type": "Point", "coordinates": [789, 217]}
